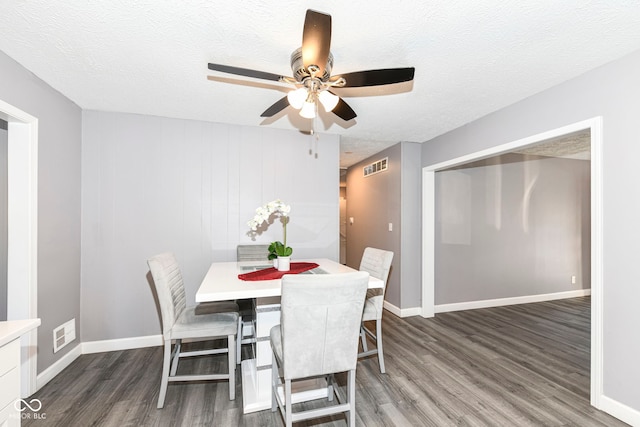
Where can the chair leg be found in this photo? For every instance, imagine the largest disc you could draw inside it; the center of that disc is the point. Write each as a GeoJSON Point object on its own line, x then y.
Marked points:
{"type": "Point", "coordinates": [239, 342]}
{"type": "Point", "coordinates": [363, 338]}
{"type": "Point", "coordinates": [232, 367]}
{"type": "Point", "coordinates": [330, 390]}
{"type": "Point", "coordinates": [165, 373]}
{"type": "Point", "coordinates": [274, 382]}
{"type": "Point", "coordinates": [288, 419]}
{"type": "Point", "coordinates": [379, 344]}
{"type": "Point", "coordinates": [351, 386]}
{"type": "Point", "coordinates": [176, 357]}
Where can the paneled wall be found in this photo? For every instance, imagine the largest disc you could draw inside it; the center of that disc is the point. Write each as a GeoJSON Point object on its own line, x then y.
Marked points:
{"type": "Point", "coordinates": [153, 184]}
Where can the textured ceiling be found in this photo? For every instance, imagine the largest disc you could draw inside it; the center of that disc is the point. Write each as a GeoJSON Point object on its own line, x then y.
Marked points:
{"type": "Point", "coordinates": [576, 145]}
{"type": "Point", "coordinates": [471, 57]}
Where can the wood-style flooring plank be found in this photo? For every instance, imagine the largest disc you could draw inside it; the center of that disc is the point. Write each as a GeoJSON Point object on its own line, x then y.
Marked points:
{"type": "Point", "coordinates": [522, 365]}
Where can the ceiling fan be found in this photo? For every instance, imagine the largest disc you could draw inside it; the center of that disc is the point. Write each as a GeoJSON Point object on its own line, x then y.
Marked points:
{"type": "Point", "coordinates": [311, 65]}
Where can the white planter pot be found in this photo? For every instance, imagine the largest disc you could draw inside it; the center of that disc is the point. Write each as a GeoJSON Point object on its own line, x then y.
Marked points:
{"type": "Point", "coordinates": [284, 263]}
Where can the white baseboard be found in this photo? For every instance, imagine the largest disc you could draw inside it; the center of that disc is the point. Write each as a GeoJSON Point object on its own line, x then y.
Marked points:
{"type": "Point", "coordinates": [620, 411]}
{"type": "Point", "coordinates": [402, 312]}
{"type": "Point", "coordinates": [48, 374]}
{"type": "Point", "coordinates": [121, 344]}
{"type": "Point", "coordinates": [472, 305]}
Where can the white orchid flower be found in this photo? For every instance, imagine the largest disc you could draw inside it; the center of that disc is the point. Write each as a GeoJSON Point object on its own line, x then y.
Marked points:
{"type": "Point", "coordinates": [263, 213]}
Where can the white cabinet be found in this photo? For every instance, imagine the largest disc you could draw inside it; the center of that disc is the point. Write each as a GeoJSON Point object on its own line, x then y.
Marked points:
{"type": "Point", "coordinates": [10, 333]}
{"type": "Point", "coordinates": [9, 383]}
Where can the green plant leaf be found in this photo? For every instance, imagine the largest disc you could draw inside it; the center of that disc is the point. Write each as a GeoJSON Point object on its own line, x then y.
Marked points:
{"type": "Point", "coordinates": [277, 249]}
{"type": "Point", "coordinates": [273, 251]}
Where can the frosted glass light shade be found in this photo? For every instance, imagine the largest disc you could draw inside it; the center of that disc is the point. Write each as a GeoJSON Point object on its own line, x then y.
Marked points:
{"type": "Point", "coordinates": [308, 110]}
{"type": "Point", "coordinates": [297, 97]}
{"type": "Point", "coordinates": [328, 100]}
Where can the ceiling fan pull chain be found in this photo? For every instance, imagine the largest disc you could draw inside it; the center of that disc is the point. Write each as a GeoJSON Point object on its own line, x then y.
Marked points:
{"type": "Point", "coordinates": [316, 139]}
{"type": "Point", "coordinates": [313, 142]}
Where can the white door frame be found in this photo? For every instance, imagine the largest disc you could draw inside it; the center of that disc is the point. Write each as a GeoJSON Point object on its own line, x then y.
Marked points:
{"type": "Point", "coordinates": [22, 233]}
{"type": "Point", "coordinates": [428, 231]}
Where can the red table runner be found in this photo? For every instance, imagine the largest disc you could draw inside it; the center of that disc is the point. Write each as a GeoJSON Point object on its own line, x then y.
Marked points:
{"type": "Point", "coordinates": [272, 273]}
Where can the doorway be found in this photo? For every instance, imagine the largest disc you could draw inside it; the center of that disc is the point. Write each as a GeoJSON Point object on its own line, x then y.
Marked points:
{"type": "Point", "coordinates": [594, 126]}
{"type": "Point", "coordinates": [3, 219]}
{"type": "Point", "coordinates": [22, 236]}
{"type": "Point", "coordinates": [343, 216]}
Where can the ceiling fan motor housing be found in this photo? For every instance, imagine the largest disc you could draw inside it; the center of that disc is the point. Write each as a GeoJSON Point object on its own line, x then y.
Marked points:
{"type": "Point", "coordinates": [300, 72]}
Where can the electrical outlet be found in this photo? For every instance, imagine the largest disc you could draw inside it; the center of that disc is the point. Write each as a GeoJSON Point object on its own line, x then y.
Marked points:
{"type": "Point", "coordinates": [573, 280]}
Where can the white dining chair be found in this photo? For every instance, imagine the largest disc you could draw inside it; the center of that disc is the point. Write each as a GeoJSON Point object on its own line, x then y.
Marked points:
{"type": "Point", "coordinates": [377, 263]}
{"type": "Point", "coordinates": [252, 252]}
{"type": "Point", "coordinates": [181, 322]}
{"type": "Point", "coordinates": [246, 327]}
{"type": "Point", "coordinates": [317, 337]}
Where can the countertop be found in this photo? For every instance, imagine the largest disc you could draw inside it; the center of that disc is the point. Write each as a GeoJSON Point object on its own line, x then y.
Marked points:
{"type": "Point", "coordinates": [13, 329]}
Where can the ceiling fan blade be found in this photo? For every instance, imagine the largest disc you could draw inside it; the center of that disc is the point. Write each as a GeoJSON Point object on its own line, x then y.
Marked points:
{"type": "Point", "coordinates": [316, 40]}
{"type": "Point", "coordinates": [343, 111]}
{"type": "Point", "coordinates": [280, 105]}
{"type": "Point", "coordinates": [244, 72]}
{"type": "Point", "coordinates": [385, 76]}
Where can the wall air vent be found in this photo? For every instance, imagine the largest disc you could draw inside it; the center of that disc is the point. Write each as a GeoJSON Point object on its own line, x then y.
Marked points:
{"type": "Point", "coordinates": [64, 334]}
{"type": "Point", "coordinates": [375, 167]}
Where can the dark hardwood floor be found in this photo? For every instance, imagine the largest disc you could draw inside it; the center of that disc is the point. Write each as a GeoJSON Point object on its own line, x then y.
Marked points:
{"type": "Point", "coordinates": [524, 365]}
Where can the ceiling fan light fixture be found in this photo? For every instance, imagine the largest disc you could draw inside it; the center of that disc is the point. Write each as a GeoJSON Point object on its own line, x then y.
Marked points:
{"type": "Point", "coordinates": [311, 65]}
{"type": "Point", "coordinates": [328, 100]}
{"type": "Point", "coordinates": [308, 110]}
{"type": "Point", "coordinates": [297, 97]}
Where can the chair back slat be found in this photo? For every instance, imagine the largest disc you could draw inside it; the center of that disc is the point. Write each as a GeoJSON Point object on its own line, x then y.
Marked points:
{"type": "Point", "coordinates": [377, 263]}
{"type": "Point", "coordinates": [320, 322]}
{"type": "Point", "coordinates": [253, 252]}
{"type": "Point", "coordinates": [170, 288]}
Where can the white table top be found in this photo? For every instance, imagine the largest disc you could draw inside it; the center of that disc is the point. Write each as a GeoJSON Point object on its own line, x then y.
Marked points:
{"type": "Point", "coordinates": [221, 282]}
{"type": "Point", "coordinates": [12, 329]}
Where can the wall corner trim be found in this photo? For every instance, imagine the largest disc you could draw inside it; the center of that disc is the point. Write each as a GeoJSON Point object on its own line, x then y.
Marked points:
{"type": "Point", "coordinates": [620, 411]}
{"type": "Point", "coordinates": [50, 373]}
{"type": "Point", "coordinates": [402, 312]}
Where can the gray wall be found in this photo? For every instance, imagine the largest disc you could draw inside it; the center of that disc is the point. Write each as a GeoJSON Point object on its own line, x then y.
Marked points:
{"type": "Point", "coordinates": [392, 196]}
{"type": "Point", "coordinates": [59, 133]}
{"type": "Point", "coordinates": [513, 225]}
{"type": "Point", "coordinates": [411, 225]}
{"type": "Point", "coordinates": [3, 219]}
{"type": "Point", "coordinates": [611, 91]}
{"type": "Point", "coordinates": [152, 184]}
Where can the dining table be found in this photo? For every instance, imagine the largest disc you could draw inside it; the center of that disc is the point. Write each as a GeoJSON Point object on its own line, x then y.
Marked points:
{"type": "Point", "coordinates": [254, 280]}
